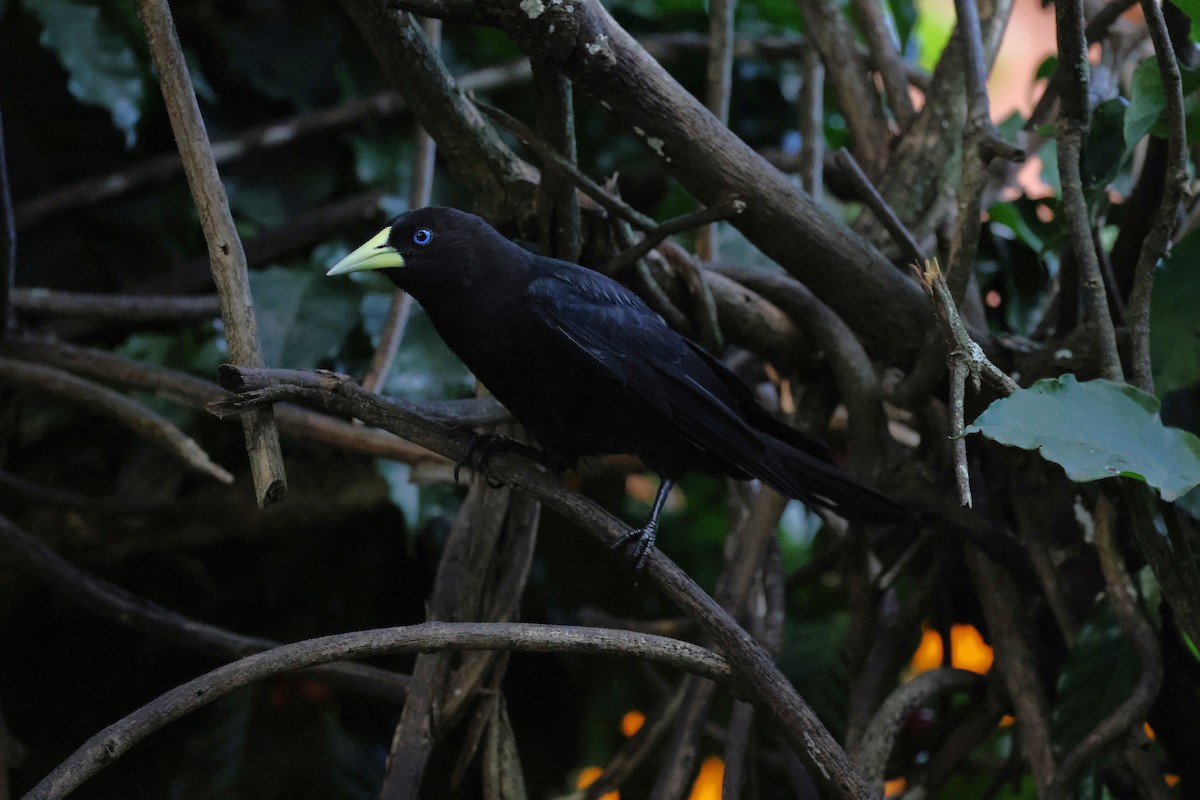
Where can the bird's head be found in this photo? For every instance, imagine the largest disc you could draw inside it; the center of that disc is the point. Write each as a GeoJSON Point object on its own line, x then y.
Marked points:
{"type": "Point", "coordinates": [426, 246]}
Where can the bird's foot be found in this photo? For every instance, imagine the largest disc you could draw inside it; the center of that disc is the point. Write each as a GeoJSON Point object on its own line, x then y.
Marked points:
{"type": "Point", "coordinates": [485, 446]}
{"type": "Point", "coordinates": [642, 540]}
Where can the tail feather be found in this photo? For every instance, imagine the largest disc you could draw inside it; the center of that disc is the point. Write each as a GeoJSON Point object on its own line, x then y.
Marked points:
{"type": "Point", "coordinates": [816, 482]}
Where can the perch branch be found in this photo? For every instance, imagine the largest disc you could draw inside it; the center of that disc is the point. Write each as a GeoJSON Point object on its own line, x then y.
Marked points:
{"type": "Point", "coordinates": [758, 677]}
{"type": "Point", "coordinates": [686, 222]}
{"type": "Point", "coordinates": [883, 212]}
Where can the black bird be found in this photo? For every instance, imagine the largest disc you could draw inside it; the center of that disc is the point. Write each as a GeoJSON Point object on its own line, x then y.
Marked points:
{"type": "Point", "coordinates": [588, 368]}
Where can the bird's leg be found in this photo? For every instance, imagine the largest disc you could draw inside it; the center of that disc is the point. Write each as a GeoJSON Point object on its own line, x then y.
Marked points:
{"type": "Point", "coordinates": [643, 537]}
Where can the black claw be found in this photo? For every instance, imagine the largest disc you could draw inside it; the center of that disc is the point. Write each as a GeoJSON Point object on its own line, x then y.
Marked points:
{"type": "Point", "coordinates": [643, 542]}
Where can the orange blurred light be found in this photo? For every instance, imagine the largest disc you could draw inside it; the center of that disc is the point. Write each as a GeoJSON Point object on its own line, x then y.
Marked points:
{"type": "Point", "coordinates": [708, 782]}
{"type": "Point", "coordinates": [969, 651]}
{"type": "Point", "coordinates": [588, 776]}
{"type": "Point", "coordinates": [895, 787]}
{"type": "Point", "coordinates": [1149, 731]}
{"type": "Point", "coordinates": [1007, 721]}
{"type": "Point", "coordinates": [929, 653]}
{"type": "Point", "coordinates": [993, 299]}
{"type": "Point", "coordinates": [1171, 778]}
{"type": "Point", "coordinates": [632, 722]}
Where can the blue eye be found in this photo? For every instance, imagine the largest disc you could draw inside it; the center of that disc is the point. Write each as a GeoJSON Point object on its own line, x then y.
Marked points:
{"type": "Point", "coordinates": [422, 236]}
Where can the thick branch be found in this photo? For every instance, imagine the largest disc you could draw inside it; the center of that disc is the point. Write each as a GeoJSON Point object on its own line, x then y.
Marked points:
{"type": "Point", "coordinates": [713, 164]}
{"type": "Point", "coordinates": [116, 307]}
{"type": "Point", "coordinates": [500, 182]}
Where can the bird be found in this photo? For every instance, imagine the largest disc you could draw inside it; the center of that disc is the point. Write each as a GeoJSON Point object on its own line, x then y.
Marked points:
{"type": "Point", "coordinates": [588, 368]}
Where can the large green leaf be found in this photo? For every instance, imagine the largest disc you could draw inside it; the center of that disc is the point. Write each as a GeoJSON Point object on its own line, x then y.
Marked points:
{"type": "Point", "coordinates": [103, 69]}
{"type": "Point", "coordinates": [1096, 429]}
{"type": "Point", "coordinates": [302, 318]}
{"type": "Point", "coordinates": [1174, 321]}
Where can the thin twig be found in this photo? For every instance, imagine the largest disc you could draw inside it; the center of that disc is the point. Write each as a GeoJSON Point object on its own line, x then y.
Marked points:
{"type": "Point", "coordinates": [719, 89]}
{"type": "Point", "coordinates": [883, 212]}
{"type": "Point", "coordinates": [1073, 63]}
{"type": "Point", "coordinates": [855, 86]}
{"type": "Point", "coordinates": [111, 602]}
{"type": "Point", "coordinates": [132, 308]}
{"type": "Point", "coordinates": [8, 239]}
{"type": "Point", "coordinates": [1157, 243]}
{"type": "Point", "coordinates": [115, 740]}
{"type": "Point", "coordinates": [418, 196]}
{"type": "Point", "coordinates": [387, 103]}
{"type": "Point", "coordinates": [136, 417]}
{"type": "Point", "coordinates": [224, 245]}
{"type": "Point", "coordinates": [876, 23]}
{"type": "Point", "coordinates": [811, 111]}
{"type": "Point", "coordinates": [593, 190]}
{"type": "Point", "coordinates": [967, 359]}
{"type": "Point", "coordinates": [685, 222]}
{"type": "Point", "coordinates": [639, 747]}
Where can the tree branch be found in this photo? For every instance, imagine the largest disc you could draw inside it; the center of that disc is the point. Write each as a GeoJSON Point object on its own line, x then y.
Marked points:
{"type": "Point", "coordinates": [501, 184]}
{"type": "Point", "coordinates": [147, 424]}
{"type": "Point", "coordinates": [714, 164]}
{"type": "Point", "coordinates": [111, 602]}
{"type": "Point", "coordinates": [115, 740]}
{"type": "Point", "coordinates": [133, 308]}
{"type": "Point", "coordinates": [758, 677]}
{"type": "Point", "coordinates": [1072, 48]}
{"type": "Point", "coordinates": [224, 245]}
{"type": "Point", "coordinates": [1157, 243]}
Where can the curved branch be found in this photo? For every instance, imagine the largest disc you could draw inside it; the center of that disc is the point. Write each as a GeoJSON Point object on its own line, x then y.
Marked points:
{"type": "Point", "coordinates": [880, 736]}
{"type": "Point", "coordinates": [1128, 716]}
{"type": "Point", "coordinates": [115, 740]}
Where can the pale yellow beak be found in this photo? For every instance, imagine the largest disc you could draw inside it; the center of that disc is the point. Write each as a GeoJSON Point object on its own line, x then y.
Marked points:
{"type": "Point", "coordinates": [375, 254]}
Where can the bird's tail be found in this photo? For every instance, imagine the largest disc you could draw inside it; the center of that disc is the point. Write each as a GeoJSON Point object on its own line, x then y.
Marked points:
{"type": "Point", "coordinates": [817, 482]}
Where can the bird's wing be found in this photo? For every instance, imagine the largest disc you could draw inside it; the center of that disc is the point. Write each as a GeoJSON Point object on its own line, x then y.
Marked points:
{"type": "Point", "coordinates": [603, 323]}
{"type": "Point", "coordinates": [608, 327]}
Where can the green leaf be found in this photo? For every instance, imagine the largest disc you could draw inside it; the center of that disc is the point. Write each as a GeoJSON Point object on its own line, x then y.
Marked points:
{"type": "Point", "coordinates": [302, 318]}
{"type": "Point", "coordinates": [1146, 101]}
{"type": "Point", "coordinates": [103, 69]}
{"type": "Point", "coordinates": [1096, 429]}
{"type": "Point", "coordinates": [1105, 148]}
{"type": "Point", "coordinates": [1192, 9]}
{"type": "Point", "coordinates": [1047, 68]}
{"type": "Point", "coordinates": [1174, 323]}
{"type": "Point", "coordinates": [1099, 675]}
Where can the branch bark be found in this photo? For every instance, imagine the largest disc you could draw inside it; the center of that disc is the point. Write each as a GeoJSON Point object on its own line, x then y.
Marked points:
{"type": "Point", "coordinates": [224, 245]}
